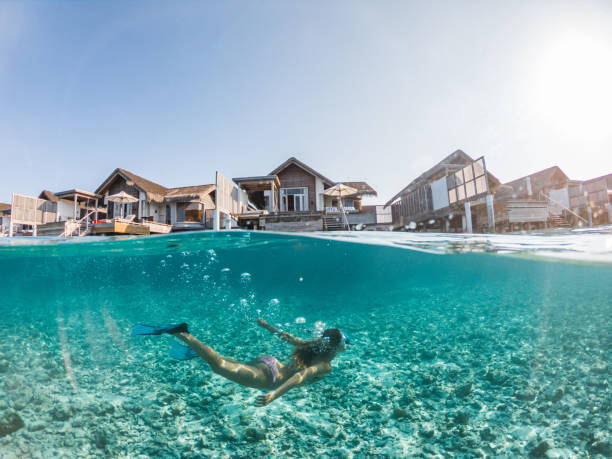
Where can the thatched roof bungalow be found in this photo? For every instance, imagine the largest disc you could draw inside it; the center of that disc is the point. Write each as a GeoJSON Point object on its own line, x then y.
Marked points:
{"type": "Point", "coordinates": [187, 207]}
{"type": "Point", "coordinates": [294, 192]}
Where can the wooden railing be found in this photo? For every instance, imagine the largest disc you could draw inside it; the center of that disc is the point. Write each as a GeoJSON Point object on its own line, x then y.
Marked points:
{"type": "Point", "coordinates": [562, 206]}
{"type": "Point", "coordinates": [77, 225]}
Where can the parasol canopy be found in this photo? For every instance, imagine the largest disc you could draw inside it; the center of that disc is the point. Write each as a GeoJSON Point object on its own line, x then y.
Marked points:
{"type": "Point", "coordinates": [339, 190]}
{"type": "Point", "coordinates": [122, 197]}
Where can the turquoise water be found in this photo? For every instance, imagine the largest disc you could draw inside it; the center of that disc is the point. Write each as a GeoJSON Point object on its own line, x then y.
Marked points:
{"type": "Point", "coordinates": [463, 347]}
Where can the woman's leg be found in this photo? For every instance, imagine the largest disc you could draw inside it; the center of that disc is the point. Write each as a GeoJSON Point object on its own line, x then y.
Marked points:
{"type": "Point", "coordinates": [247, 375]}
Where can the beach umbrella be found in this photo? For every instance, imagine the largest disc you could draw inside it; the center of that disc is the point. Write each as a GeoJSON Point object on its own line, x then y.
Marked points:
{"type": "Point", "coordinates": [339, 190]}
{"type": "Point", "coordinates": [122, 197]}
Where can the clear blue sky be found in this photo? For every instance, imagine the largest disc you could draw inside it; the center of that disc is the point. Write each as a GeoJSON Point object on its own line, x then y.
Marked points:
{"type": "Point", "coordinates": [372, 90]}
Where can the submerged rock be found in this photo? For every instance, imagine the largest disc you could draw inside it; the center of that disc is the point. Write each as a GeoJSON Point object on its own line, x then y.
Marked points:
{"type": "Point", "coordinates": [554, 394]}
{"type": "Point", "coordinates": [525, 395]}
{"type": "Point", "coordinates": [464, 390]}
{"type": "Point", "coordinates": [36, 426]}
{"type": "Point", "coordinates": [497, 377]}
{"type": "Point", "coordinates": [227, 434]}
{"type": "Point", "coordinates": [599, 369]}
{"type": "Point", "coordinates": [486, 434]}
{"type": "Point", "coordinates": [461, 417]}
{"type": "Point", "coordinates": [131, 407]}
{"type": "Point", "coordinates": [427, 430]}
{"type": "Point", "coordinates": [399, 413]}
{"type": "Point", "coordinates": [428, 354]}
{"type": "Point", "coordinates": [375, 407]}
{"type": "Point", "coordinates": [523, 362]}
{"type": "Point", "coordinates": [253, 434]}
{"type": "Point", "coordinates": [103, 408]}
{"type": "Point", "coordinates": [10, 422]}
{"type": "Point", "coordinates": [540, 450]}
{"type": "Point", "coordinates": [603, 447]}
{"type": "Point", "coordinates": [60, 413]}
{"type": "Point", "coordinates": [99, 439]}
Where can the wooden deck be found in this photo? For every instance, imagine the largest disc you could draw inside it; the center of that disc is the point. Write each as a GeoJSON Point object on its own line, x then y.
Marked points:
{"type": "Point", "coordinates": [121, 228]}
{"type": "Point", "coordinates": [158, 228]}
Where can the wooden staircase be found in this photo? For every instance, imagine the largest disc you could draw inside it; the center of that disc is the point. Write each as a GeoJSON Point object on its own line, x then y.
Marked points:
{"type": "Point", "coordinates": [559, 221]}
{"type": "Point", "coordinates": [77, 227]}
{"type": "Point", "coordinates": [333, 222]}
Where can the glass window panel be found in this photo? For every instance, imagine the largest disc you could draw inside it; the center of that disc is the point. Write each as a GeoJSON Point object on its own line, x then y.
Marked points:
{"type": "Point", "coordinates": [460, 193]}
{"type": "Point", "coordinates": [467, 173]}
{"type": "Point", "coordinates": [459, 177]}
{"type": "Point", "coordinates": [450, 181]}
{"type": "Point", "coordinates": [293, 191]}
{"type": "Point", "coordinates": [452, 196]}
{"type": "Point", "coordinates": [470, 188]}
{"type": "Point", "coordinates": [481, 185]}
{"type": "Point", "coordinates": [478, 168]}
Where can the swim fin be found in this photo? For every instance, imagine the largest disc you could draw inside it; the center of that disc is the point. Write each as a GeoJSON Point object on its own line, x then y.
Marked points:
{"type": "Point", "coordinates": [159, 329]}
{"type": "Point", "coordinates": [180, 352]}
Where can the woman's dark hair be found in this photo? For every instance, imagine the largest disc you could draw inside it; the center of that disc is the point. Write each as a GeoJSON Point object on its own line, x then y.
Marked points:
{"type": "Point", "coordinates": [324, 346]}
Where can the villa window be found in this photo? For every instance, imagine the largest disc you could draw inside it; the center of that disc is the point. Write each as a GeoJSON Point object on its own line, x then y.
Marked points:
{"type": "Point", "coordinates": [294, 199]}
{"type": "Point", "coordinates": [467, 182]}
{"type": "Point", "coordinates": [189, 212]}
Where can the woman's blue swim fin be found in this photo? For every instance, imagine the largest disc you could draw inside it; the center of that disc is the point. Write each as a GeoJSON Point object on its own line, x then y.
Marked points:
{"type": "Point", "coordinates": [158, 329]}
{"type": "Point", "coordinates": [180, 352]}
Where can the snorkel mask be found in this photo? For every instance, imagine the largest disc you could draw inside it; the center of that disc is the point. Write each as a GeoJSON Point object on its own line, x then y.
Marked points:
{"type": "Point", "coordinates": [341, 343]}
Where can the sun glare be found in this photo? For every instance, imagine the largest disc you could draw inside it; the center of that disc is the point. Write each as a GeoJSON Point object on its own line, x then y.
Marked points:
{"type": "Point", "coordinates": [572, 86]}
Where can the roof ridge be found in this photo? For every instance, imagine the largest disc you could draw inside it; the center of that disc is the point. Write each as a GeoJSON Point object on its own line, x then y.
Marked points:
{"type": "Point", "coordinates": [191, 186]}
{"type": "Point", "coordinates": [126, 172]}
{"type": "Point", "coordinates": [303, 165]}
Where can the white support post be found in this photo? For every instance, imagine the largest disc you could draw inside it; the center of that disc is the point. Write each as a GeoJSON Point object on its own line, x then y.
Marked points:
{"type": "Point", "coordinates": [271, 209]}
{"type": "Point", "coordinates": [75, 206]}
{"type": "Point", "coordinates": [609, 206]}
{"type": "Point", "coordinates": [216, 224]}
{"type": "Point", "coordinates": [490, 213]}
{"type": "Point", "coordinates": [11, 227]}
{"type": "Point", "coordinates": [468, 217]}
{"type": "Point", "coordinates": [228, 222]}
{"type": "Point", "coordinates": [446, 224]}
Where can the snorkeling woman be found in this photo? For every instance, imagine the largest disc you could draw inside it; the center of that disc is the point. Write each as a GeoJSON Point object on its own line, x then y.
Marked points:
{"type": "Point", "coordinates": [311, 359]}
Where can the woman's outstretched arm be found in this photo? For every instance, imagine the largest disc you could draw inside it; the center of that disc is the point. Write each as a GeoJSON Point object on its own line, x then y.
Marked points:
{"type": "Point", "coordinates": [281, 334]}
{"type": "Point", "coordinates": [297, 379]}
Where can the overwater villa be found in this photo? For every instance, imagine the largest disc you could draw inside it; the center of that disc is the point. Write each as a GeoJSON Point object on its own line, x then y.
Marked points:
{"type": "Point", "coordinates": [459, 194]}
{"type": "Point", "coordinates": [295, 197]}
{"type": "Point", "coordinates": [159, 208]}
{"type": "Point", "coordinates": [548, 198]}
{"type": "Point", "coordinates": [455, 195]}
{"type": "Point", "coordinates": [536, 201]}
{"type": "Point", "coordinates": [591, 200]}
{"type": "Point", "coordinates": [5, 218]}
{"type": "Point", "coordinates": [124, 203]}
